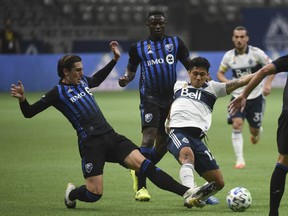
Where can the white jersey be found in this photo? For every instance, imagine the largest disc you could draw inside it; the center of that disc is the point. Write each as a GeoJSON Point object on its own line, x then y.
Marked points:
{"type": "Point", "coordinates": [193, 107]}
{"type": "Point", "coordinates": [243, 64]}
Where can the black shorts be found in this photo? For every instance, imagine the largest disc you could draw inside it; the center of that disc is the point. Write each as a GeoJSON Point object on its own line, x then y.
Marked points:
{"type": "Point", "coordinates": [109, 147]}
{"type": "Point", "coordinates": [282, 133]}
{"type": "Point", "coordinates": [253, 112]}
{"type": "Point", "coordinates": [153, 116]}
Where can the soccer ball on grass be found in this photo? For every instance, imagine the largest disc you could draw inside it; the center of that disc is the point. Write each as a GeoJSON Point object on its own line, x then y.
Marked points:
{"type": "Point", "coordinates": [239, 199]}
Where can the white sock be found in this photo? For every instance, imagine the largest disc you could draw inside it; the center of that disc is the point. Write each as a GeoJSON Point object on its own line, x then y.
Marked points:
{"type": "Point", "coordinates": [186, 175]}
{"type": "Point", "coordinates": [237, 142]}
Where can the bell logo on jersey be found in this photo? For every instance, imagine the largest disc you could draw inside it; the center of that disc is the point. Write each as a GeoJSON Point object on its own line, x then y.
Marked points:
{"type": "Point", "coordinates": [242, 72]}
{"type": "Point", "coordinates": [193, 93]}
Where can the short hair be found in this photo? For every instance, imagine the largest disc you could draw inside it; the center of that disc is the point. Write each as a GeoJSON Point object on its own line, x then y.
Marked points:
{"type": "Point", "coordinates": [241, 28]}
{"type": "Point", "coordinates": [67, 61]}
{"type": "Point", "coordinates": [199, 62]}
{"type": "Point", "coordinates": [155, 12]}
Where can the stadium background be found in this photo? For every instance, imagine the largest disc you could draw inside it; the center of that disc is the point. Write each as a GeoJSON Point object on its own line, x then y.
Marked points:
{"type": "Point", "coordinates": [50, 28]}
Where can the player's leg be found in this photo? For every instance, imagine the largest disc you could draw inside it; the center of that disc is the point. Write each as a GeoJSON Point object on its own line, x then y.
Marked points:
{"type": "Point", "coordinates": [160, 147]}
{"type": "Point", "coordinates": [150, 117]}
{"type": "Point", "coordinates": [237, 141]}
{"type": "Point", "coordinates": [278, 178]}
{"type": "Point", "coordinates": [135, 160]}
{"type": "Point", "coordinates": [146, 149]}
{"type": "Point", "coordinates": [91, 192]}
{"type": "Point", "coordinates": [93, 160]}
{"type": "Point", "coordinates": [255, 111]}
{"type": "Point", "coordinates": [180, 144]}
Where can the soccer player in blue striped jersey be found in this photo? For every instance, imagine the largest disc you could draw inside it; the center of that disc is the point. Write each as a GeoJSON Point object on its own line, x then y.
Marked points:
{"type": "Point", "coordinates": [98, 142]}
{"type": "Point", "coordinates": [158, 56]}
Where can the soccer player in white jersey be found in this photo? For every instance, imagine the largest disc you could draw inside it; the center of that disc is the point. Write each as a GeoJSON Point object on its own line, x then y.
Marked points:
{"type": "Point", "coordinates": [245, 59]}
{"type": "Point", "coordinates": [189, 120]}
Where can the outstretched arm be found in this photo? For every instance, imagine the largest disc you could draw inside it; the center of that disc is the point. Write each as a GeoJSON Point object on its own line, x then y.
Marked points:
{"type": "Point", "coordinates": [234, 84]}
{"type": "Point", "coordinates": [18, 91]}
{"type": "Point", "coordinates": [101, 75]}
{"type": "Point", "coordinates": [240, 102]}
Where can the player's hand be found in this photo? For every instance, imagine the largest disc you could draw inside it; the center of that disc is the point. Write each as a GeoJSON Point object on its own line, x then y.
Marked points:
{"type": "Point", "coordinates": [18, 91]}
{"type": "Point", "coordinates": [115, 49]}
{"type": "Point", "coordinates": [123, 81]}
{"type": "Point", "coordinates": [237, 104]}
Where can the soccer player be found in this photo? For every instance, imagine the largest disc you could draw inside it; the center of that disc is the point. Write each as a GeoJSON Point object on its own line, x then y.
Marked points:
{"type": "Point", "coordinates": [278, 178]}
{"type": "Point", "coordinates": [190, 119]}
{"type": "Point", "coordinates": [98, 142]}
{"type": "Point", "coordinates": [245, 59]}
{"type": "Point", "coordinates": [158, 56]}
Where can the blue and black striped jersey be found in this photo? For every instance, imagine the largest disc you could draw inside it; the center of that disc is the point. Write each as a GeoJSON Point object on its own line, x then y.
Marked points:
{"type": "Point", "coordinates": [158, 60]}
{"type": "Point", "coordinates": [76, 103]}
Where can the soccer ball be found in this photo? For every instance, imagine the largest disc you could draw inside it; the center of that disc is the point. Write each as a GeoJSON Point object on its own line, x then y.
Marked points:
{"type": "Point", "coordinates": [239, 199]}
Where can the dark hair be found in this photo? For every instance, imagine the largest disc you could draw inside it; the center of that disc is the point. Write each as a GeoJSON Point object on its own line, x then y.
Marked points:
{"type": "Point", "coordinates": [241, 28]}
{"type": "Point", "coordinates": [199, 62]}
{"type": "Point", "coordinates": [156, 12]}
{"type": "Point", "coordinates": [67, 61]}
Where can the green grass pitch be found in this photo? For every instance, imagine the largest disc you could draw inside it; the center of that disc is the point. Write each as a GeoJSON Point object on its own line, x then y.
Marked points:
{"type": "Point", "coordinates": [39, 156]}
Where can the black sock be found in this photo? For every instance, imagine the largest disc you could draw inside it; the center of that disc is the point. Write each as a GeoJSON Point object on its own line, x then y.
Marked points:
{"type": "Point", "coordinates": [162, 179]}
{"type": "Point", "coordinates": [141, 177]}
{"type": "Point", "coordinates": [155, 158]}
{"type": "Point", "coordinates": [81, 193]}
{"type": "Point", "coordinates": [277, 187]}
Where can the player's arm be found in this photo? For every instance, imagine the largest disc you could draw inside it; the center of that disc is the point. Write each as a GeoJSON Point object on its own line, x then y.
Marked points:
{"type": "Point", "coordinates": [183, 54]}
{"type": "Point", "coordinates": [131, 68]}
{"type": "Point", "coordinates": [268, 85]}
{"type": "Point", "coordinates": [240, 102]}
{"type": "Point", "coordinates": [102, 74]}
{"type": "Point", "coordinates": [17, 91]}
{"type": "Point", "coordinates": [221, 75]}
{"type": "Point", "coordinates": [234, 84]}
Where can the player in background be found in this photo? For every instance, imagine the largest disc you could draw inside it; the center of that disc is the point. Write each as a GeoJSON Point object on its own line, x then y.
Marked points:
{"type": "Point", "coordinates": [158, 56]}
{"type": "Point", "coordinates": [245, 59]}
{"type": "Point", "coordinates": [97, 140]}
{"type": "Point", "coordinates": [189, 120]}
{"type": "Point", "coordinates": [278, 178]}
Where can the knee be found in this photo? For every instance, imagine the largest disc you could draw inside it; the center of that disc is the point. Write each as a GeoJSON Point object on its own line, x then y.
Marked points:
{"type": "Point", "coordinates": [148, 140]}
{"type": "Point", "coordinates": [220, 185]}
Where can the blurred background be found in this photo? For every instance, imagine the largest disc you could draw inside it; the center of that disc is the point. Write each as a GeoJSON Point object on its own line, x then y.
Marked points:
{"type": "Point", "coordinates": [55, 27]}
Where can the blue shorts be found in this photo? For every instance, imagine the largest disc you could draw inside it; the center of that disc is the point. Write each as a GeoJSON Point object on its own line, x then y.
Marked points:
{"type": "Point", "coordinates": [182, 137]}
{"type": "Point", "coordinates": [253, 112]}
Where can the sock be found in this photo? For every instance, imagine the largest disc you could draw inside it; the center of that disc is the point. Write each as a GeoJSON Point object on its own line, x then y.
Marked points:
{"type": "Point", "coordinates": [162, 179]}
{"type": "Point", "coordinates": [237, 143]}
{"type": "Point", "coordinates": [186, 175]}
{"type": "Point", "coordinates": [81, 193]}
{"type": "Point", "coordinates": [155, 158]}
{"type": "Point", "coordinates": [277, 187]}
{"type": "Point", "coordinates": [147, 152]}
